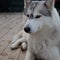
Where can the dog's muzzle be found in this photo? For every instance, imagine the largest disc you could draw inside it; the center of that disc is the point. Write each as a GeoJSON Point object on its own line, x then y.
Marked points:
{"type": "Point", "coordinates": [27, 29]}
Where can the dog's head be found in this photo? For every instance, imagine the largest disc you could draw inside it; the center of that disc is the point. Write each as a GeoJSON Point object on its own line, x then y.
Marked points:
{"type": "Point", "coordinates": [38, 15]}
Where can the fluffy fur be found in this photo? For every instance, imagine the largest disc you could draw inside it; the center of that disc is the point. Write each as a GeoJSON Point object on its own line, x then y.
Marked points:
{"type": "Point", "coordinates": [44, 33]}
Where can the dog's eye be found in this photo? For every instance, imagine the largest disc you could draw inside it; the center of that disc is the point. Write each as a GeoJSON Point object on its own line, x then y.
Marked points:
{"type": "Point", "coordinates": [27, 15]}
{"type": "Point", "coordinates": [38, 16]}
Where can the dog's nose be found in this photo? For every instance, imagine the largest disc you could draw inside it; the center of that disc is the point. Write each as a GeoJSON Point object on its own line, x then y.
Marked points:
{"type": "Point", "coordinates": [27, 29]}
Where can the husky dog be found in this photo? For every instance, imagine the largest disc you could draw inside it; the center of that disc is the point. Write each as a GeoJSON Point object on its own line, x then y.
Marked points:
{"type": "Point", "coordinates": [41, 31]}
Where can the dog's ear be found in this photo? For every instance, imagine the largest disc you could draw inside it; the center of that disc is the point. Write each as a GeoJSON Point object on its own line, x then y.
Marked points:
{"type": "Point", "coordinates": [26, 3]}
{"type": "Point", "coordinates": [50, 4]}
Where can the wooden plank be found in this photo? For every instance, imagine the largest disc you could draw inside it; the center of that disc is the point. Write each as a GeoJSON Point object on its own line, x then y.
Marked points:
{"type": "Point", "coordinates": [8, 37]}
{"type": "Point", "coordinates": [9, 26]}
{"type": "Point", "coordinates": [12, 32]}
{"type": "Point", "coordinates": [5, 52]}
{"type": "Point", "coordinates": [7, 18]}
{"type": "Point", "coordinates": [9, 54]}
{"type": "Point", "coordinates": [4, 18]}
{"type": "Point", "coordinates": [22, 55]}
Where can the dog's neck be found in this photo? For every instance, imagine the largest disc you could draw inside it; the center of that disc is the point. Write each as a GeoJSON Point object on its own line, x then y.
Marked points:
{"type": "Point", "coordinates": [43, 32]}
{"type": "Point", "coordinates": [55, 17]}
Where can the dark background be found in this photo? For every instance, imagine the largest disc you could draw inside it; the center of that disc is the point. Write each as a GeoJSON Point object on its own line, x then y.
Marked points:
{"type": "Point", "coordinates": [57, 5]}
{"type": "Point", "coordinates": [18, 5]}
{"type": "Point", "coordinates": [11, 5]}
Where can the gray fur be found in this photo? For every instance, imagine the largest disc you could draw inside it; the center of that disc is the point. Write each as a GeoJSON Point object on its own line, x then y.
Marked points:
{"type": "Point", "coordinates": [38, 6]}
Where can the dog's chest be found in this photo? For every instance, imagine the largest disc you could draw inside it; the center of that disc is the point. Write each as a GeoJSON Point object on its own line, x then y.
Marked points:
{"type": "Point", "coordinates": [38, 47]}
{"type": "Point", "coordinates": [41, 49]}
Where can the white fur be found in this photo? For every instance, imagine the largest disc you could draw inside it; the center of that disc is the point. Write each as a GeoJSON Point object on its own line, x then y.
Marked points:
{"type": "Point", "coordinates": [44, 37]}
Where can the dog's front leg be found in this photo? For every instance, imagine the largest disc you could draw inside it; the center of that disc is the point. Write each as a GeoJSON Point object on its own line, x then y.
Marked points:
{"type": "Point", "coordinates": [29, 56]}
{"type": "Point", "coordinates": [19, 41]}
{"type": "Point", "coordinates": [17, 36]}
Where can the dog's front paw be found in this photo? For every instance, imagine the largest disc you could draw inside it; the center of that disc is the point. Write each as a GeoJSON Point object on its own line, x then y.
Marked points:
{"type": "Point", "coordinates": [24, 46]}
{"type": "Point", "coordinates": [14, 46]}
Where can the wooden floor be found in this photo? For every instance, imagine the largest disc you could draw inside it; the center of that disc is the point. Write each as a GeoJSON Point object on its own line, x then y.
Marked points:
{"type": "Point", "coordinates": [10, 24]}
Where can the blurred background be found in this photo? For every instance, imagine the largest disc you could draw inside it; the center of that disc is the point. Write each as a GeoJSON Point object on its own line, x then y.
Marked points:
{"type": "Point", "coordinates": [18, 5]}
{"type": "Point", "coordinates": [11, 5]}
